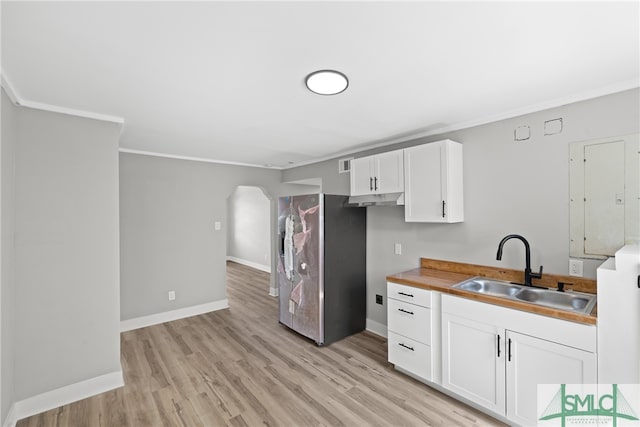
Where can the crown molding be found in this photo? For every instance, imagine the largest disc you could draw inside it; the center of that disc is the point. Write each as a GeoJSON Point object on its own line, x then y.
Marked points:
{"type": "Point", "coordinates": [16, 99]}
{"type": "Point", "coordinates": [533, 108]}
{"type": "Point", "coordinates": [8, 89]}
{"type": "Point", "coordinates": [195, 159]}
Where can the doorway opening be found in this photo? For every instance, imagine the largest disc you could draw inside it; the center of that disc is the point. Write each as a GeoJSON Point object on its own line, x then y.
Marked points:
{"type": "Point", "coordinates": [249, 231]}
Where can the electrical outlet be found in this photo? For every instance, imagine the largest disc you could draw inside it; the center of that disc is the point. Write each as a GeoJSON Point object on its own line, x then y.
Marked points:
{"type": "Point", "coordinates": [398, 249]}
{"type": "Point", "coordinates": [575, 268]}
{"type": "Point", "coordinates": [217, 225]}
{"type": "Point", "coordinates": [379, 299]}
{"type": "Point", "coordinates": [172, 295]}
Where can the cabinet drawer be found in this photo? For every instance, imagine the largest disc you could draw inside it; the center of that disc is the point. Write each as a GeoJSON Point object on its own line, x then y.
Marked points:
{"type": "Point", "coordinates": [409, 294]}
{"type": "Point", "coordinates": [409, 320]}
{"type": "Point", "coordinates": [410, 355]}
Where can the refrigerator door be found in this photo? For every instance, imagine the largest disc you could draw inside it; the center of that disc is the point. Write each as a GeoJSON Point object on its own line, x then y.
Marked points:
{"type": "Point", "coordinates": [300, 229]}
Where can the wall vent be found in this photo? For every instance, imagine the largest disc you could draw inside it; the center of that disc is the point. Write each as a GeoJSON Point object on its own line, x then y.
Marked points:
{"type": "Point", "coordinates": [344, 165]}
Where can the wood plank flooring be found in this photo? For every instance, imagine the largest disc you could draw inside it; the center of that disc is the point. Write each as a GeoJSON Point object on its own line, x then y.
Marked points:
{"type": "Point", "coordinates": [240, 367]}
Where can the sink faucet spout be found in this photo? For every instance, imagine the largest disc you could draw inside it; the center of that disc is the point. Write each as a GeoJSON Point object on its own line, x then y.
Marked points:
{"type": "Point", "coordinates": [528, 275]}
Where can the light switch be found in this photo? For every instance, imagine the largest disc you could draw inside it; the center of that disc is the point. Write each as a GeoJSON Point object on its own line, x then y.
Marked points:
{"type": "Point", "coordinates": [398, 249]}
{"type": "Point", "coordinates": [217, 225]}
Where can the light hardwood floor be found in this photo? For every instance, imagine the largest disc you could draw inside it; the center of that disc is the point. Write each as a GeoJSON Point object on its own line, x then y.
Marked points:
{"type": "Point", "coordinates": [240, 367]}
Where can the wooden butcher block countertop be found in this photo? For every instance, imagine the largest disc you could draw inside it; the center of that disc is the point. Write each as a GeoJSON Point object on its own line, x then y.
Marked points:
{"type": "Point", "coordinates": [440, 276]}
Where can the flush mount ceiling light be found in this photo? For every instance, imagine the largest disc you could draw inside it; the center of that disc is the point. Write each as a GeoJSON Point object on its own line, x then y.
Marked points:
{"type": "Point", "coordinates": [327, 82]}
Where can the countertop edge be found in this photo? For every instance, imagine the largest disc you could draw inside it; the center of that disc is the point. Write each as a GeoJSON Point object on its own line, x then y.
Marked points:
{"type": "Point", "coordinates": [442, 281]}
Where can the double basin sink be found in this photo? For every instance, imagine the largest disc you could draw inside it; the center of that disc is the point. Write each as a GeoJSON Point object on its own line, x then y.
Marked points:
{"type": "Point", "coordinates": [569, 301]}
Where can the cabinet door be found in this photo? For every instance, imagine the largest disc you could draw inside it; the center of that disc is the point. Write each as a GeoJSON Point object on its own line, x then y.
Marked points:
{"type": "Point", "coordinates": [423, 183]}
{"type": "Point", "coordinates": [389, 176]}
{"type": "Point", "coordinates": [473, 361]}
{"type": "Point", "coordinates": [532, 361]}
{"type": "Point", "coordinates": [361, 176]}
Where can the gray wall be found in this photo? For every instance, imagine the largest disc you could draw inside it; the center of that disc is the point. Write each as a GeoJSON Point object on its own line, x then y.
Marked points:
{"type": "Point", "coordinates": [509, 187]}
{"type": "Point", "coordinates": [7, 261]}
{"type": "Point", "coordinates": [67, 262]}
{"type": "Point", "coordinates": [168, 242]}
{"type": "Point", "coordinates": [249, 228]}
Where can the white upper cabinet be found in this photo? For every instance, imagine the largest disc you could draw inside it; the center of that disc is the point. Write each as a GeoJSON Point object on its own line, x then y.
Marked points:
{"type": "Point", "coordinates": [389, 169]}
{"type": "Point", "coordinates": [433, 182]}
{"type": "Point", "coordinates": [361, 176]}
{"type": "Point", "coordinates": [378, 174]}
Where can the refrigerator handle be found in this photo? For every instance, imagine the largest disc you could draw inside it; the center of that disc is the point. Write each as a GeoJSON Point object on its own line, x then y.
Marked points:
{"type": "Point", "coordinates": [281, 247]}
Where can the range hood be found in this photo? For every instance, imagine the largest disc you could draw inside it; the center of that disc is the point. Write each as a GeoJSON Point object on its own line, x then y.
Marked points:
{"type": "Point", "coordinates": [388, 199]}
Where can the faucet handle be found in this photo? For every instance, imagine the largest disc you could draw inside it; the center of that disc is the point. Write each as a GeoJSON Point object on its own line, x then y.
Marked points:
{"type": "Point", "coordinates": [537, 275]}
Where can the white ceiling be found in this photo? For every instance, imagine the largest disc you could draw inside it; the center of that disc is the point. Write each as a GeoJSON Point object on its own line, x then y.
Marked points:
{"type": "Point", "coordinates": [225, 80]}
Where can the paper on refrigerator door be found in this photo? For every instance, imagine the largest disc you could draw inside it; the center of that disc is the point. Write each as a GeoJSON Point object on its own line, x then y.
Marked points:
{"type": "Point", "coordinates": [288, 247]}
{"type": "Point", "coordinates": [296, 293]}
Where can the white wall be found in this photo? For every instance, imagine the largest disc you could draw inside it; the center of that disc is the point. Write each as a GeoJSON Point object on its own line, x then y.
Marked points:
{"type": "Point", "coordinates": [249, 231]}
{"type": "Point", "coordinates": [509, 187]}
{"type": "Point", "coordinates": [7, 261]}
{"type": "Point", "coordinates": [67, 264]}
{"type": "Point", "coordinates": [168, 241]}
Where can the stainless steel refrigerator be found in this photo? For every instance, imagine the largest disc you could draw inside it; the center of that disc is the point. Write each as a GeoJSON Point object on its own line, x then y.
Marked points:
{"type": "Point", "coordinates": [322, 266]}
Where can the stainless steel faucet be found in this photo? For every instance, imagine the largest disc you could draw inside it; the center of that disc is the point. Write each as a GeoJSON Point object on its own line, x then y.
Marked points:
{"type": "Point", "coordinates": [528, 275]}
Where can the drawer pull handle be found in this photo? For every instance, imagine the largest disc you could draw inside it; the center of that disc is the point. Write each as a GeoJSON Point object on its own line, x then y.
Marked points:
{"type": "Point", "coordinates": [405, 311]}
{"type": "Point", "coordinates": [406, 346]}
{"type": "Point", "coordinates": [406, 295]}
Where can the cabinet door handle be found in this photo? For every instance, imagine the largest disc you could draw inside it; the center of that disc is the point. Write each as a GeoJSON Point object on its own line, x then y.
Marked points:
{"type": "Point", "coordinates": [443, 202]}
{"type": "Point", "coordinates": [498, 345]}
{"type": "Point", "coordinates": [406, 346]}
{"type": "Point", "coordinates": [370, 183]}
{"type": "Point", "coordinates": [406, 295]}
{"type": "Point", "coordinates": [509, 351]}
{"type": "Point", "coordinates": [405, 311]}
{"type": "Point", "coordinates": [375, 183]}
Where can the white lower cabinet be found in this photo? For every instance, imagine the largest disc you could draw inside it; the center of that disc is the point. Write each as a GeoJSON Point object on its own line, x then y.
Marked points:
{"type": "Point", "coordinates": [412, 356]}
{"type": "Point", "coordinates": [487, 362]}
{"type": "Point", "coordinates": [411, 330]}
{"type": "Point", "coordinates": [532, 361]}
{"type": "Point", "coordinates": [472, 367]}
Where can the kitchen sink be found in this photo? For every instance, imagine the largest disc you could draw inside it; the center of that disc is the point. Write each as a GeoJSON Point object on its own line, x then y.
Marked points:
{"type": "Point", "coordinates": [489, 287]}
{"type": "Point", "coordinates": [569, 301]}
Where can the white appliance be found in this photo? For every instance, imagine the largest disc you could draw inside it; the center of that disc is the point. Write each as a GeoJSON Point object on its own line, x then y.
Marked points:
{"type": "Point", "coordinates": [619, 318]}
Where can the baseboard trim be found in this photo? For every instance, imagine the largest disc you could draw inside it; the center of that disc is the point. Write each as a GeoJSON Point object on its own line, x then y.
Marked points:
{"type": "Point", "coordinates": [64, 395]}
{"type": "Point", "coordinates": [377, 328]}
{"type": "Point", "coordinates": [274, 292]}
{"type": "Point", "coordinates": [168, 316]}
{"type": "Point", "coordinates": [252, 264]}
